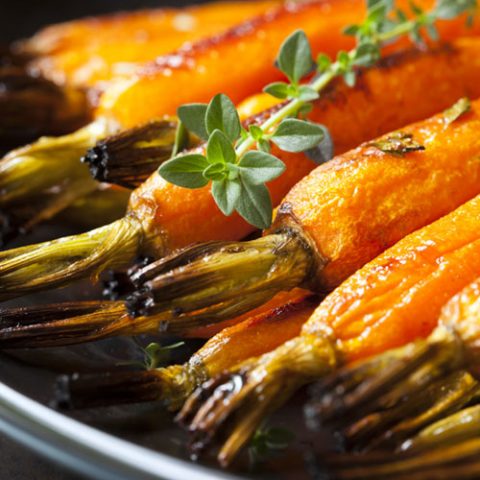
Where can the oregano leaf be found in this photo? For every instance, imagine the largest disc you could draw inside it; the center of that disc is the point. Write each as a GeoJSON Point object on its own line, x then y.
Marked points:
{"type": "Point", "coordinates": [226, 194]}
{"type": "Point", "coordinates": [294, 135]}
{"type": "Point", "coordinates": [222, 115]}
{"type": "Point", "coordinates": [254, 204]}
{"type": "Point", "coordinates": [324, 151]}
{"type": "Point", "coordinates": [185, 171]}
{"type": "Point", "coordinates": [192, 116]}
{"type": "Point", "coordinates": [215, 172]}
{"type": "Point", "coordinates": [277, 90]}
{"type": "Point", "coordinates": [295, 56]}
{"type": "Point", "coordinates": [260, 167]}
{"type": "Point", "coordinates": [220, 149]}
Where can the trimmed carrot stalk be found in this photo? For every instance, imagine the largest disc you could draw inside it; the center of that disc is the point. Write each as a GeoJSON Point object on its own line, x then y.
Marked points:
{"type": "Point", "coordinates": [261, 332]}
{"type": "Point", "coordinates": [450, 349]}
{"type": "Point", "coordinates": [458, 460]}
{"type": "Point", "coordinates": [394, 299]}
{"type": "Point", "coordinates": [76, 322]}
{"type": "Point", "coordinates": [95, 49]}
{"type": "Point", "coordinates": [164, 217]}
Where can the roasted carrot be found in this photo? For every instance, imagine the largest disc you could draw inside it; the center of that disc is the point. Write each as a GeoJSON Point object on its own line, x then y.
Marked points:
{"type": "Point", "coordinates": [164, 217]}
{"type": "Point", "coordinates": [331, 223]}
{"type": "Point", "coordinates": [392, 300]}
{"type": "Point", "coordinates": [207, 67]}
{"type": "Point", "coordinates": [261, 332]}
{"type": "Point", "coordinates": [84, 52]}
{"type": "Point", "coordinates": [189, 72]}
{"type": "Point", "coordinates": [446, 455]}
{"type": "Point", "coordinates": [424, 381]}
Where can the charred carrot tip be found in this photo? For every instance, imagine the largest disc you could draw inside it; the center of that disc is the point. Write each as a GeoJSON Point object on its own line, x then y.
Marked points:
{"type": "Point", "coordinates": [56, 325]}
{"type": "Point", "coordinates": [89, 391]}
{"type": "Point", "coordinates": [219, 278]}
{"type": "Point", "coordinates": [55, 263]}
{"type": "Point", "coordinates": [131, 156]}
{"type": "Point", "coordinates": [382, 401]}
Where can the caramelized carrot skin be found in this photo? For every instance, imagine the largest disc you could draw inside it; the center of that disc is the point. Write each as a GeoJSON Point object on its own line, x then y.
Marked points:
{"type": "Point", "coordinates": [397, 297]}
{"type": "Point", "coordinates": [86, 51]}
{"type": "Point", "coordinates": [356, 206]}
{"type": "Point", "coordinates": [245, 56]}
{"type": "Point", "coordinates": [384, 99]}
{"type": "Point", "coordinates": [255, 335]}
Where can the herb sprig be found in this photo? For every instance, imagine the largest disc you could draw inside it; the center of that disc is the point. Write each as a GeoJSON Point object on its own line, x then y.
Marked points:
{"type": "Point", "coordinates": [268, 440]}
{"type": "Point", "coordinates": [237, 162]}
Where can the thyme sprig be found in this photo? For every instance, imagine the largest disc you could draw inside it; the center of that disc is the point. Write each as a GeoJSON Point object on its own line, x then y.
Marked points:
{"type": "Point", "coordinates": [237, 162]}
{"type": "Point", "coordinates": [266, 441]}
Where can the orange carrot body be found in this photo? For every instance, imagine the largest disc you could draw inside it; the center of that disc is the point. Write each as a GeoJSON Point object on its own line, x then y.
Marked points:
{"type": "Point", "coordinates": [260, 332]}
{"type": "Point", "coordinates": [277, 302]}
{"type": "Point", "coordinates": [398, 297]}
{"type": "Point", "coordinates": [83, 52]}
{"type": "Point", "coordinates": [244, 56]}
{"type": "Point", "coordinates": [180, 216]}
{"type": "Point", "coordinates": [366, 189]}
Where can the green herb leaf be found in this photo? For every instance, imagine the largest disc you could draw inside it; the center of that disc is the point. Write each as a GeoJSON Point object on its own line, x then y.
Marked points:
{"type": "Point", "coordinates": [277, 90]}
{"type": "Point", "coordinates": [398, 143]}
{"type": "Point", "coordinates": [222, 115]}
{"type": "Point", "coordinates": [367, 54]}
{"type": "Point", "coordinates": [192, 116]}
{"type": "Point", "coordinates": [185, 171]}
{"type": "Point", "coordinates": [256, 132]}
{"type": "Point", "coordinates": [305, 109]}
{"type": "Point", "coordinates": [156, 355]}
{"type": "Point", "coordinates": [449, 9]}
{"type": "Point", "coordinates": [255, 205]}
{"type": "Point", "coordinates": [307, 94]}
{"type": "Point", "coordinates": [226, 194]}
{"type": "Point", "coordinates": [294, 135]}
{"type": "Point", "coordinates": [324, 151]}
{"type": "Point", "coordinates": [295, 57]}
{"type": "Point", "coordinates": [351, 30]}
{"type": "Point", "coordinates": [260, 167]}
{"type": "Point", "coordinates": [323, 63]}
{"type": "Point", "coordinates": [263, 145]}
{"type": "Point", "coordinates": [457, 110]}
{"type": "Point", "coordinates": [216, 172]}
{"type": "Point", "coordinates": [220, 149]}
{"type": "Point", "coordinates": [181, 139]}
{"type": "Point", "coordinates": [266, 441]}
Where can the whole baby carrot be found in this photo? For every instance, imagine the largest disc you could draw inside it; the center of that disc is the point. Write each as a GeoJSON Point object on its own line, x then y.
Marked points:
{"type": "Point", "coordinates": [394, 299]}
{"type": "Point", "coordinates": [163, 217]}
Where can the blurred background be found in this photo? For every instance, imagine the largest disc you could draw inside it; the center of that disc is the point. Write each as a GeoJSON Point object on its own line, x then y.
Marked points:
{"type": "Point", "coordinates": [21, 18]}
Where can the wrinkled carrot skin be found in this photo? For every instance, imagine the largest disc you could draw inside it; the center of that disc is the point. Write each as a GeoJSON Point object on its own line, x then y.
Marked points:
{"type": "Point", "coordinates": [384, 99]}
{"type": "Point", "coordinates": [256, 334]}
{"type": "Point", "coordinates": [398, 297]}
{"type": "Point", "coordinates": [244, 55]}
{"type": "Point", "coordinates": [84, 52]}
{"type": "Point", "coordinates": [367, 188]}
{"type": "Point", "coordinates": [462, 314]}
